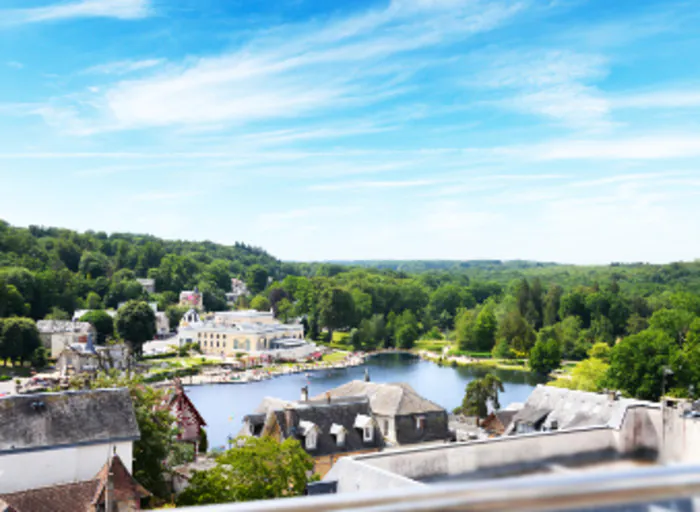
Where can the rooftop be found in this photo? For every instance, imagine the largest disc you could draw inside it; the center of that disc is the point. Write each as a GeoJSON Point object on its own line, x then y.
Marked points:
{"type": "Point", "coordinates": [52, 420]}
{"type": "Point", "coordinates": [395, 399]}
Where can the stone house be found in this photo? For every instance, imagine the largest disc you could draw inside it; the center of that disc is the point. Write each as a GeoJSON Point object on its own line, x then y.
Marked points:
{"type": "Point", "coordinates": [112, 486]}
{"type": "Point", "coordinates": [189, 421]}
{"type": "Point", "coordinates": [51, 439]}
{"type": "Point", "coordinates": [57, 334]}
{"type": "Point", "coordinates": [403, 416]}
{"type": "Point", "coordinates": [327, 428]}
{"type": "Point", "coordinates": [86, 358]}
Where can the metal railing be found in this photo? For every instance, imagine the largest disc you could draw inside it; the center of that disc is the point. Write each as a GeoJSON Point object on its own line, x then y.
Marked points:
{"type": "Point", "coordinates": [668, 487]}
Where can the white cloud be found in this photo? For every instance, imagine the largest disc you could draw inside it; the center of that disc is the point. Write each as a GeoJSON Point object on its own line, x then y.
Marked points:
{"type": "Point", "coordinates": [14, 64]}
{"type": "Point", "coordinates": [121, 9]}
{"type": "Point", "coordinates": [286, 74]}
{"type": "Point", "coordinates": [124, 67]}
{"type": "Point", "coordinates": [668, 98]}
{"type": "Point", "coordinates": [369, 185]}
{"type": "Point", "coordinates": [647, 147]}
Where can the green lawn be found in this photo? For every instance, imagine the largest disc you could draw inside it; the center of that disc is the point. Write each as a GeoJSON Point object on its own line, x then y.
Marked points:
{"type": "Point", "coordinates": [431, 345]}
{"type": "Point", "coordinates": [335, 357]}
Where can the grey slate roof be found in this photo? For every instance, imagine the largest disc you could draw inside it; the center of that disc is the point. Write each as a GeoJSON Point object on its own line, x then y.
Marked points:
{"type": "Point", "coordinates": [342, 412]}
{"type": "Point", "coordinates": [62, 326]}
{"type": "Point", "coordinates": [571, 408]}
{"type": "Point", "coordinates": [53, 420]}
{"type": "Point", "coordinates": [397, 399]}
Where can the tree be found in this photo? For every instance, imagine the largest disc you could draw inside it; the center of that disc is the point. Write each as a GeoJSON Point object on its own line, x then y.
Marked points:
{"type": "Point", "coordinates": [587, 375]}
{"type": "Point", "coordinates": [285, 310]}
{"type": "Point", "coordinates": [256, 279]}
{"type": "Point", "coordinates": [136, 323]}
{"type": "Point", "coordinates": [675, 322]}
{"type": "Point", "coordinates": [545, 356]}
{"type": "Point", "coordinates": [255, 469]}
{"type": "Point", "coordinates": [103, 324]}
{"type": "Point", "coordinates": [93, 301]}
{"type": "Point", "coordinates": [57, 314]}
{"type": "Point", "coordinates": [600, 351]}
{"type": "Point", "coordinates": [444, 303]}
{"type": "Point", "coordinates": [552, 302]}
{"type": "Point", "coordinates": [40, 357]}
{"type": "Point", "coordinates": [94, 264]}
{"type": "Point", "coordinates": [479, 395]}
{"type": "Point", "coordinates": [260, 303]}
{"type": "Point", "coordinates": [336, 309]}
{"type": "Point", "coordinates": [476, 330]}
{"type": "Point", "coordinates": [406, 330]}
{"type": "Point", "coordinates": [175, 314]}
{"type": "Point", "coordinates": [637, 363]}
{"type": "Point", "coordinates": [19, 338]}
{"type": "Point", "coordinates": [517, 332]}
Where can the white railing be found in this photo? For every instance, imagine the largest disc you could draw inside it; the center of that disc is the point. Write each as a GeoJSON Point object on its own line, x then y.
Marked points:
{"type": "Point", "coordinates": [594, 491]}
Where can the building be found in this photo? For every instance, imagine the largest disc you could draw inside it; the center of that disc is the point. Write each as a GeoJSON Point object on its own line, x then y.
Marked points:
{"type": "Point", "coordinates": [162, 324]}
{"type": "Point", "coordinates": [190, 423]}
{"type": "Point", "coordinates": [551, 408]}
{"type": "Point", "coordinates": [57, 334]}
{"type": "Point", "coordinates": [238, 289]}
{"type": "Point", "coordinates": [498, 422]}
{"type": "Point", "coordinates": [50, 439]}
{"type": "Point", "coordinates": [629, 436]}
{"type": "Point", "coordinates": [113, 484]}
{"type": "Point", "coordinates": [404, 416]}
{"type": "Point", "coordinates": [192, 298]}
{"type": "Point", "coordinates": [79, 313]}
{"type": "Point", "coordinates": [327, 428]}
{"type": "Point", "coordinates": [249, 316]}
{"type": "Point", "coordinates": [86, 358]}
{"type": "Point", "coordinates": [149, 285]}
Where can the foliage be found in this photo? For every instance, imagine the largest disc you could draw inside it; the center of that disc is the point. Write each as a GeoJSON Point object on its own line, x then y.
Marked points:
{"type": "Point", "coordinates": [479, 395]}
{"type": "Point", "coordinates": [545, 356]}
{"type": "Point", "coordinates": [476, 329]}
{"type": "Point", "coordinates": [40, 357]}
{"type": "Point", "coordinates": [255, 469]}
{"type": "Point", "coordinates": [260, 303]}
{"type": "Point", "coordinates": [587, 375]}
{"type": "Point", "coordinates": [19, 339]}
{"type": "Point", "coordinates": [136, 324]}
{"type": "Point", "coordinates": [103, 324]}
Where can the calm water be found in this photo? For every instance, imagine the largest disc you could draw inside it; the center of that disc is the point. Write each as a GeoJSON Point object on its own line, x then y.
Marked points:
{"type": "Point", "coordinates": [224, 405]}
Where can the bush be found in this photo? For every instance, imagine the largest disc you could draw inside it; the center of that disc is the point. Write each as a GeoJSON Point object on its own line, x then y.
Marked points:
{"type": "Point", "coordinates": [5, 378]}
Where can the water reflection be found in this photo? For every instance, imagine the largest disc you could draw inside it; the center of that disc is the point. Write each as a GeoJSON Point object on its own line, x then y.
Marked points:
{"type": "Point", "coordinates": [223, 406]}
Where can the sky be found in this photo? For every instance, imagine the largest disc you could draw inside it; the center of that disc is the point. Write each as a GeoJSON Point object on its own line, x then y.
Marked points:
{"type": "Point", "coordinates": [551, 130]}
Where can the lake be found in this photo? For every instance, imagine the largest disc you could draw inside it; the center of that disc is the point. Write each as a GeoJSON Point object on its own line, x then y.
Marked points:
{"type": "Point", "coordinates": [223, 406]}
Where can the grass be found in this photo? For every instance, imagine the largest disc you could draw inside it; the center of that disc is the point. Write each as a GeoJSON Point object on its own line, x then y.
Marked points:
{"type": "Point", "coordinates": [335, 357]}
{"type": "Point", "coordinates": [468, 353]}
{"type": "Point", "coordinates": [431, 345]}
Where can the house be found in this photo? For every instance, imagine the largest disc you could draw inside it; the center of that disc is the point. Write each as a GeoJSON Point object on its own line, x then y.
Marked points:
{"type": "Point", "coordinates": [551, 408]}
{"type": "Point", "coordinates": [162, 324]}
{"type": "Point", "coordinates": [113, 484]}
{"type": "Point", "coordinates": [403, 415]}
{"type": "Point", "coordinates": [50, 439]}
{"type": "Point", "coordinates": [57, 334]}
{"type": "Point", "coordinates": [149, 285]}
{"type": "Point", "coordinates": [192, 298]}
{"type": "Point", "coordinates": [79, 358]}
{"type": "Point", "coordinates": [189, 421]}
{"type": "Point", "coordinates": [327, 428]}
{"type": "Point", "coordinates": [498, 422]}
{"type": "Point", "coordinates": [238, 289]}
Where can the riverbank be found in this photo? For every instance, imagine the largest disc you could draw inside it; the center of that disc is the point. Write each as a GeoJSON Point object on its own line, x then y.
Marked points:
{"type": "Point", "coordinates": [499, 364]}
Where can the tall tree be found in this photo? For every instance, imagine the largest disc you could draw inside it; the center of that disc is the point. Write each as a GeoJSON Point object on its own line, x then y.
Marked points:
{"type": "Point", "coordinates": [481, 394]}
{"type": "Point", "coordinates": [19, 338]}
{"type": "Point", "coordinates": [256, 279]}
{"type": "Point", "coordinates": [336, 309]}
{"type": "Point", "coordinates": [103, 324]}
{"type": "Point", "coordinates": [136, 324]}
{"type": "Point", "coordinates": [552, 302]}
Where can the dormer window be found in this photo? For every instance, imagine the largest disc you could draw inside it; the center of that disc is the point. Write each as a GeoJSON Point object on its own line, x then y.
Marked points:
{"type": "Point", "coordinates": [310, 432]}
{"type": "Point", "coordinates": [339, 432]}
{"type": "Point", "coordinates": [366, 424]}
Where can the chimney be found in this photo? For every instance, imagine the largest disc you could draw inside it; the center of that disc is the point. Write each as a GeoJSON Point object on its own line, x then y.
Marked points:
{"type": "Point", "coordinates": [290, 419]}
{"type": "Point", "coordinates": [305, 394]}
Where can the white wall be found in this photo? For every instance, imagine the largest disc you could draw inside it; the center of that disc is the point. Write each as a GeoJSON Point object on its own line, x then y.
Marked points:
{"type": "Point", "coordinates": [460, 458]}
{"type": "Point", "coordinates": [31, 470]}
{"type": "Point", "coordinates": [682, 438]}
{"type": "Point", "coordinates": [353, 476]}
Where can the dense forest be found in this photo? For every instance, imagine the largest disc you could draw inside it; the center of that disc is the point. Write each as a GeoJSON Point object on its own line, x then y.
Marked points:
{"type": "Point", "coordinates": [632, 327]}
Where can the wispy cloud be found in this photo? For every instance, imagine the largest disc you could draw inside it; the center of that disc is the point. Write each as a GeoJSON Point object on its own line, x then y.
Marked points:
{"type": "Point", "coordinates": [369, 185]}
{"type": "Point", "coordinates": [296, 71]}
{"type": "Point", "coordinates": [124, 67]}
{"type": "Point", "coordinates": [121, 9]}
{"type": "Point", "coordinates": [14, 64]}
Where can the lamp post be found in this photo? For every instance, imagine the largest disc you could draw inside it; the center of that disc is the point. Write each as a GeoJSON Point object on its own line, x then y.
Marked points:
{"type": "Point", "coordinates": [667, 372]}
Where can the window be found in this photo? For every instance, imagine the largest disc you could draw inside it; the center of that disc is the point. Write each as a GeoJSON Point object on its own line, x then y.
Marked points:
{"type": "Point", "coordinates": [340, 438]}
{"type": "Point", "coordinates": [420, 422]}
{"type": "Point", "coordinates": [386, 427]}
{"type": "Point", "coordinates": [367, 434]}
{"type": "Point", "coordinates": [311, 440]}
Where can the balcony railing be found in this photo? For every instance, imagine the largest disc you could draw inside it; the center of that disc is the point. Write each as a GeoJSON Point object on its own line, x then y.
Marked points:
{"type": "Point", "coordinates": [672, 488]}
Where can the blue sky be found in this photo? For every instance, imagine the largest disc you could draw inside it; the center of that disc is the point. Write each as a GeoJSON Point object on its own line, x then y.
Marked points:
{"type": "Point", "coordinates": [558, 130]}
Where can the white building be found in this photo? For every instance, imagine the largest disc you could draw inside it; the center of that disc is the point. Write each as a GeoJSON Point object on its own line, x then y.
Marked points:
{"type": "Point", "coordinates": [149, 285]}
{"type": "Point", "coordinates": [51, 439]}
{"type": "Point", "coordinates": [238, 289]}
{"type": "Point", "coordinates": [248, 316]}
{"type": "Point", "coordinates": [58, 334]}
